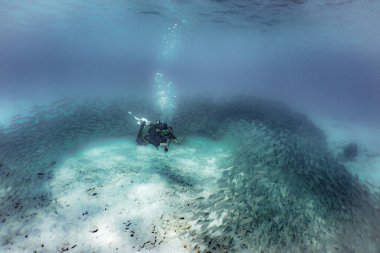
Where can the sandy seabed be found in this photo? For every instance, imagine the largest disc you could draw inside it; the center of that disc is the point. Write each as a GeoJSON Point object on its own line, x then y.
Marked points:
{"type": "Point", "coordinates": [114, 196]}
{"type": "Point", "coordinates": [247, 177]}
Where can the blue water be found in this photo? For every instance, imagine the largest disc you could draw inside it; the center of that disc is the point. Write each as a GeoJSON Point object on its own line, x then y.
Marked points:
{"type": "Point", "coordinates": [263, 95]}
{"type": "Point", "coordinates": [318, 55]}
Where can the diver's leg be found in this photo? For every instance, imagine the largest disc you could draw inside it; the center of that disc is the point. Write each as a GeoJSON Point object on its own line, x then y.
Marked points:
{"type": "Point", "coordinates": [139, 139]}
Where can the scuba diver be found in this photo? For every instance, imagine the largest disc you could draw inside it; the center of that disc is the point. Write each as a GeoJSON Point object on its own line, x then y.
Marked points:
{"type": "Point", "coordinates": [159, 134]}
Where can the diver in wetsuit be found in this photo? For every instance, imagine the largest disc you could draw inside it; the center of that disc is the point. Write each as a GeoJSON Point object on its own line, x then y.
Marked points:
{"type": "Point", "coordinates": [159, 134]}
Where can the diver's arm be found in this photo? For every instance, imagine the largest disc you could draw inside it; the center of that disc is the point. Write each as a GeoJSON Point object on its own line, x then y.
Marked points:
{"type": "Point", "coordinates": [173, 138]}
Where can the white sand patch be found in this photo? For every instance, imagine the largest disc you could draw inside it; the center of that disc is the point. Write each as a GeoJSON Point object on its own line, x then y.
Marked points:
{"type": "Point", "coordinates": [113, 196]}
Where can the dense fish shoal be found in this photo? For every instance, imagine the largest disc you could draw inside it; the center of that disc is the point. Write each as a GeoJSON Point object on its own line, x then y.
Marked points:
{"type": "Point", "coordinates": [280, 190]}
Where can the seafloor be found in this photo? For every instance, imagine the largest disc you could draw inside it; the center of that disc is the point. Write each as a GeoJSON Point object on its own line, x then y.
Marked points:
{"type": "Point", "coordinates": [249, 175]}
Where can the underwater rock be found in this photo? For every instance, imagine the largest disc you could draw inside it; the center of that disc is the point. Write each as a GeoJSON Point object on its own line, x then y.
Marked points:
{"type": "Point", "coordinates": [350, 151]}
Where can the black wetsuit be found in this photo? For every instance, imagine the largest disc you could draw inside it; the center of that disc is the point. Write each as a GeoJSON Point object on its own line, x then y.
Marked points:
{"type": "Point", "coordinates": [158, 133]}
